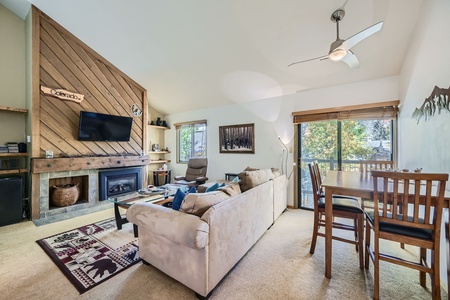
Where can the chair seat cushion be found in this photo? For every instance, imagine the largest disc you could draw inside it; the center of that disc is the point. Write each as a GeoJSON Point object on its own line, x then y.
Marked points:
{"type": "Point", "coordinates": [184, 182]}
{"type": "Point", "coordinates": [322, 195]}
{"type": "Point", "coordinates": [343, 204]}
{"type": "Point", "coordinates": [400, 229]}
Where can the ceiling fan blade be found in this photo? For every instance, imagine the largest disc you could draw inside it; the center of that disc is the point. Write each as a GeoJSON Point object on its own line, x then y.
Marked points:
{"type": "Point", "coordinates": [352, 41]}
{"type": "Point", "coordinates": [351, 60]}
{"type": "Point", "coordinates": [299, 62]}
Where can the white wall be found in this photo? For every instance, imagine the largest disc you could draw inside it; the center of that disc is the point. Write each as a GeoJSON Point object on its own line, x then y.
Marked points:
{"type": "Point", "coordinates": [268, 149]}
{"type": "Point", "coordinates": [427, 65]}
{"type": "Point", "coordinates": [273, 119]}
{"type": "Point", "coordinates": [12, 75]}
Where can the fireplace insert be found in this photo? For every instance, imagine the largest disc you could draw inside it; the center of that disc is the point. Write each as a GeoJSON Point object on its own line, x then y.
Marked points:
{"type": "Point", "coordinates": [113, 182]}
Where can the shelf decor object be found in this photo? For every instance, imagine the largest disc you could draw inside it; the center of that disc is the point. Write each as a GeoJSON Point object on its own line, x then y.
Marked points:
{"type": "Point", "coordinates": [136, 110]}
{"type": "Point", "coordinates": [438, 99]}
{"type": "Point", "coordinates": [65, 195]}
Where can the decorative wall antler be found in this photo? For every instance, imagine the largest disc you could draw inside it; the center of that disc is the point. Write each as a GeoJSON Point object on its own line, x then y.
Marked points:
{"type": "Point", "coordinates": [439, 98]}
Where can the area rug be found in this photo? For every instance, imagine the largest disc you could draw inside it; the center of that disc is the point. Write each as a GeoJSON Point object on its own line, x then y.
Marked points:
{"type": "Point", "coordinates": [92, 254]}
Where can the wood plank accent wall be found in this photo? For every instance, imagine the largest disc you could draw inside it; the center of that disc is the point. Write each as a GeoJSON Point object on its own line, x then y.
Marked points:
{"type": "Point", "coordinates": [61, 60]}
{"type": "Point", "coordinates": [67, 63]}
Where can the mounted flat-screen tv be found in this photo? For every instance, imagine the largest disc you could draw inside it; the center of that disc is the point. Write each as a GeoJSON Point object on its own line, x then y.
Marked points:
{"type": "Point", "coordinates": [104, 127]}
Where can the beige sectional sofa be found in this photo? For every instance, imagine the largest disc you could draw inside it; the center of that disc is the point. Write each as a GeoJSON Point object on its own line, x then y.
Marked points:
{"type": "Point", "coordinates": [199, 244]}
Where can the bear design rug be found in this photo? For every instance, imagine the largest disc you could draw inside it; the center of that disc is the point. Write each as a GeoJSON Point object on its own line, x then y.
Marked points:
{"type": "Point", "coordinates": [91, 254]}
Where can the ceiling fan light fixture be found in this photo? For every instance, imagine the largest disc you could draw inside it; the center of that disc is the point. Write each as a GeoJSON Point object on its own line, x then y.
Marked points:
{"type": "Point", "coordinates": [337, 54]}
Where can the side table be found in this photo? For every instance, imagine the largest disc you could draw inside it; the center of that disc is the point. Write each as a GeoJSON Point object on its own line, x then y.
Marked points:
{"type": "Point", "coordinates": [230, 176]}
{"type": "Point", "coordinates": [165, 173]}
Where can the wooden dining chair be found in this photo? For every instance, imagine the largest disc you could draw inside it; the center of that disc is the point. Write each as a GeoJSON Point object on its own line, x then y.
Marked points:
{"type": "Point", "coordinates": [370, 165]}
{"type": "Point", "coordinates": [343, 207]}
{"type": "Point", "coordinates": [366, 166]}
{"type": "Point", "coordinates": [421, 196]}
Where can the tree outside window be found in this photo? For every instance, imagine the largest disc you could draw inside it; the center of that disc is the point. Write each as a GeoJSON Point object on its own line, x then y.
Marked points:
{"type": "Point", "coordinates": [191, 140]}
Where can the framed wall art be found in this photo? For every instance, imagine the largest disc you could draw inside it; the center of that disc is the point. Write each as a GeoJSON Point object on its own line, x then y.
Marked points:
{"type": "Point", "coordinates": [237, 138]}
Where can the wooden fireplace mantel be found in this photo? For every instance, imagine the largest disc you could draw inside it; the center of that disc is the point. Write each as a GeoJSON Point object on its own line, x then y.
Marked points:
{"type": "Point", "coordinates": [47, 165]}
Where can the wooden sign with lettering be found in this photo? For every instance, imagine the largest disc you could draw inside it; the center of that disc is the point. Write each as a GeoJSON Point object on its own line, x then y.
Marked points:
{"type": "Point", "coordinates": [62, 94]}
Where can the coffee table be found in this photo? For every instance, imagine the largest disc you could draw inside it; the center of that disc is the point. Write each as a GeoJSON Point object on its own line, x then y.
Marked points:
{"type": "Point", "coordinates": [159, 197]}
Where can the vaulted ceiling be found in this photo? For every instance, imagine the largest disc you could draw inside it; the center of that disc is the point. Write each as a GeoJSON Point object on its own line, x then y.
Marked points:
{"type": "Point", "coordinates": [194, 54]}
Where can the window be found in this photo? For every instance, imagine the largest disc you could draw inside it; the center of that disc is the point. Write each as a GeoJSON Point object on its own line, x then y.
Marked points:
{"type": "Point", "coordinates": [191, 140]}
{"type": "Point", "coordinates": [338, 138]}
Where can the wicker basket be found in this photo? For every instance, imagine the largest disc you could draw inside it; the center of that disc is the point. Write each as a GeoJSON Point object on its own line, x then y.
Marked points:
{"type": "Point", "coordinates": [65, 195]}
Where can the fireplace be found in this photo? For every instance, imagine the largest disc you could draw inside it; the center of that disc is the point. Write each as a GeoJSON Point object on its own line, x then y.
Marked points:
{"type": "Point", "coordinates": [113, 182]}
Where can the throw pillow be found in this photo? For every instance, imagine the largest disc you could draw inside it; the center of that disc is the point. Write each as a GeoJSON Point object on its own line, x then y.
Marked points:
{"type": "Point", "coordinates": [250, 169]}
{"type": "Point", "coordinates": [178, 199]}
{"type": "Point", "coordinates": [192, 190]}
{"type": "Point", "coordinates": [276, 172]}
{"type": "Point", "coordinates": [250, 179]}
{"type": "Point", "coordinates": [198, 203]}
{"type": "Point", "coordinates": [213, 187]}
{"type": "Point", "coordinates": [231, 189]}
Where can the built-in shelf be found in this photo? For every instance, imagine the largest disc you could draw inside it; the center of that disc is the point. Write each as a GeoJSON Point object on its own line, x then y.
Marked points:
{"type": "Point", "coordinates": [13, 109]}
{"type": "Point", "coordinates": [159, 127]}
{"type": "Point", "coordinates": [13, 154]}
{"type": "Point", "coordinates": [13, 171]}
{"type": "Point", "coordinates": [159, 161]}
{"type": "Point", "coordinates": [159, 152]}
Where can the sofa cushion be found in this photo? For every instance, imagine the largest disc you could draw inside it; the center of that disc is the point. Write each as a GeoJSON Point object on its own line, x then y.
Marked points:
{"type": "Point", "coordinates": [198, 203]}
{"type": "Point", "coordinates": [250, 179]}
{"type": "Point", "coordinates": [231, 189]}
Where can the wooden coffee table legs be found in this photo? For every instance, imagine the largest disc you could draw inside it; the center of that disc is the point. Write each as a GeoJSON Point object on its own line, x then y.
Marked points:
{"type": "Point", "coordinates": [120, 221]}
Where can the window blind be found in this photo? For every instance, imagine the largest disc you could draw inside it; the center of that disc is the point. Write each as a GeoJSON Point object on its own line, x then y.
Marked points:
{"type": "Point", "coordinates": [375, 111]}
{"type": "Point", "coordinates": [178, 125]}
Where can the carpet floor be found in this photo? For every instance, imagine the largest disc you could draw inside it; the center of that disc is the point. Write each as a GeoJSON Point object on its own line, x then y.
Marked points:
{"type": "Point", "coordinates": [278, 266]}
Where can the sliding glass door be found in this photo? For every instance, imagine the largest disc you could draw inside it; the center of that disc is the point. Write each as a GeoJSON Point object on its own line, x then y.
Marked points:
{"type": "Point", "coordinates": [318, 142]}
{"type": "Point", "coordinates": [365, 139]}
{"type": "Point", "coordinates": [339, 145]}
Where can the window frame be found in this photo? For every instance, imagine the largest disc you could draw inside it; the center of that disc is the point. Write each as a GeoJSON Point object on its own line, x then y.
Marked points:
{"type": "Point", "coordinates": [192, 125]}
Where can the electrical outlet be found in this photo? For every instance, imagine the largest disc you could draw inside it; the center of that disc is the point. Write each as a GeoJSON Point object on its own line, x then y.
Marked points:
{"type": "Point", "coordinates": [28, 139]}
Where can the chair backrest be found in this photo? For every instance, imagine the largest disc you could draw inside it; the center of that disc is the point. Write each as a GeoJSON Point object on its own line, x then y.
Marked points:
{"type": "Point", "coordinates": [196, 167]}
{"type": "Point", "coordinates": [416, 198]}
{"type": "Point", "coordinates": [315, 182]}
{"type": "Point", "coordinates": [370, 165]}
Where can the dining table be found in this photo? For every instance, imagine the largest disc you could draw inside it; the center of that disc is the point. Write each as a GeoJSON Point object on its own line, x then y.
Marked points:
{"type": "Point", "coordinates": [359, 184]}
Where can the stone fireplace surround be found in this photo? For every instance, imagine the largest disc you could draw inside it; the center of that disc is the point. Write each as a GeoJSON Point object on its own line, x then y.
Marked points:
{"type": "Point", "coordinates": [85, 170]}
{"type": "Point", "coordinates": [48, 210]}
{"type": "Point", "coordinates": [89, 190]}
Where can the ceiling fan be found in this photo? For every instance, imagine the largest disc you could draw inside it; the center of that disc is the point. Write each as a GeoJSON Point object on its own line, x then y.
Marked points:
{"type": "Point", "coordinates": [340, 49]}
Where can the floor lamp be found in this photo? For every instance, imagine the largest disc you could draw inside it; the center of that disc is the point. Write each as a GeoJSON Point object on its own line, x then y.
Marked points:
{"type": "Point", "coordinates": [283, 159]}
